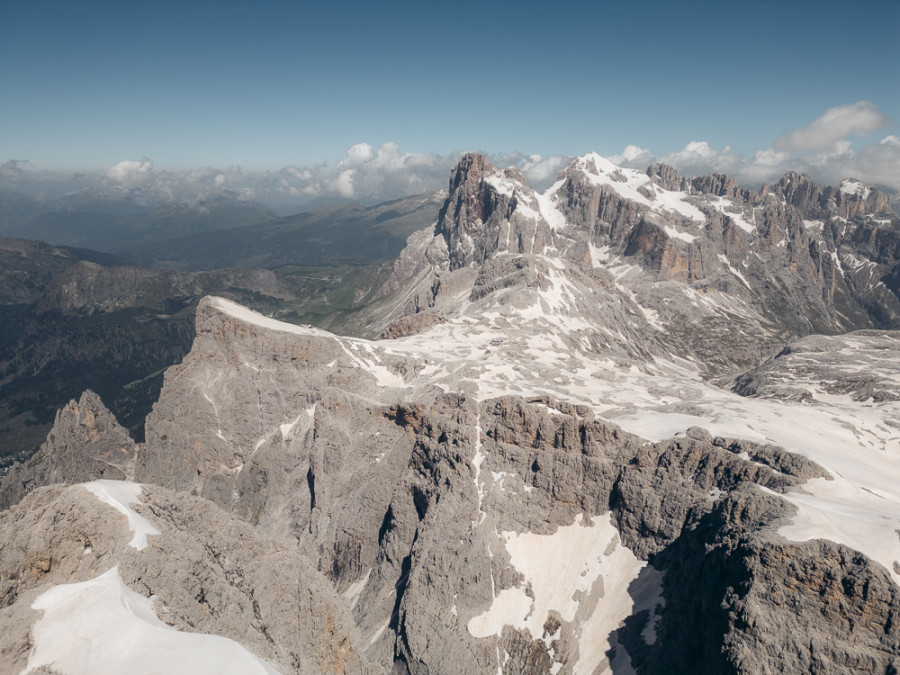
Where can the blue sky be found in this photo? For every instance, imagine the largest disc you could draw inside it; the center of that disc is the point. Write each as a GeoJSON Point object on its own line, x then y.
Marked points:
{"type": "Point", "coordinates": [265, 85]}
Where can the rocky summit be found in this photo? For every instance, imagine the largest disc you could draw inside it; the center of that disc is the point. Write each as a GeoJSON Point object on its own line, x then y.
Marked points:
{"type": "Point", "coordinates": [636, 423]}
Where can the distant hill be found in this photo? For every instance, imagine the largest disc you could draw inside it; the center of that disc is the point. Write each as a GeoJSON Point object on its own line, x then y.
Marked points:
{"type": "Point", "coordinates": [74, 319]}
{"type": "Point", "coordinates": [337, 235]}
{"type": "Point", "coordinates": [118, 226]}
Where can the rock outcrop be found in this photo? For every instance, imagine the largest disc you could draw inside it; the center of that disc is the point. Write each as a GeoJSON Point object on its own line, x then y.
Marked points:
{"type": "Point", "coordinates": [207, 572]}
{"type": "Point", "coordinates": [863, 366]}
{"type": "Point", "coordinates": [86, 443]}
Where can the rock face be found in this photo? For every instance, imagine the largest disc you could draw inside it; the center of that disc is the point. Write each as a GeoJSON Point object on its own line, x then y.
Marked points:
{"type": "Point", "coordinates": [538, 469]}
{"type": "Point", "coordinates": [489, 211]}
{"type": "Point", "coordinates": [787, 261]}
{"type": "Point", "coordinates": [207, 572]}
{"type": "Point", "coordinates": [86, 443]}
{"type": "Point", "coordinates": [75, 320]}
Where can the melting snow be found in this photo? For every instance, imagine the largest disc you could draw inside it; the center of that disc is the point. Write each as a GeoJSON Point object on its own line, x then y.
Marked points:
{"type": "Point", "coordinates": [370, 363]}
{"type": "Point", "coordinates": [850, 186]}
{"type": "Point", "coordinates": [672, 233]}
{"type": "Point", "coordinates": [249, 316]}
{"type": "Point", "coordinates": [734, 271]}
{"type": "Point", "coordinates": [600, 171]}
{"type": "Point", "coordinates": [355, 589]}
{"type": "Point", "coordinates": [567, 571]}
{"type": "Point", "coordinates": [102, 627]}
{"type": "Point", "coordinates": [120, 495]}
{"type": "Point", "coordinates": [479, 484]}
{"type": "Point", "coordinates": [501, 183]}
{"type": "Point", "coordinates": [547, 202]}
{"type": "Point", "coordinates": [730, 210]}
{"type": "Point", "coordinates": [860, 507]}
{"type": "Point", "coordinates": [847, 514]}
{"type": "Point", "coordinates": [285, 429]}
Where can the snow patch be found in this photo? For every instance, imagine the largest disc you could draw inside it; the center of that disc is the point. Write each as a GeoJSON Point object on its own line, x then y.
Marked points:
{"type": "Point", "coordinates": [285, 429]}
{"type": "Point", "coordinates": [249, 316]}
{"type": "Point", "coordinates": [501, 183]}
{"type": "Point", "coordinates": [547, 203]}
{"type": "Point", "coordinates": [601, 172]}
{"type": "Point", "coordinates": [850, 186]}
{"type": "Point", "coordinates": [120, 495]}
{"type": "Point", "coordinates": [566, 571]}
{"type": "Point", "coordinates": [658, 426]}
{"type": "Point", "coordinates": [102, 627]}
{"type": "Point", "coordinates": [672, 233]}
{"type": "Point", "coordinates": [846, 514]}
{"type": "Point", "coordinates": [732, 211]}
{"type": "Point", "coordinates": [355, 589]}
{"type": "Point", "coordinates": [733, 270]}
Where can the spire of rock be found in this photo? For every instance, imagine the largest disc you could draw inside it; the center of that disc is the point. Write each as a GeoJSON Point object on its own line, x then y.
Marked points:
{"type": "Point", "coordinates": [85, 443]}
{"type": "Point", "coordinates": [489, 210]}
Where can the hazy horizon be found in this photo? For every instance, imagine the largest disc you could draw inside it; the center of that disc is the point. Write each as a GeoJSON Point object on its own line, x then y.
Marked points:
{"type": "Point", "coordinates": [353, 100]}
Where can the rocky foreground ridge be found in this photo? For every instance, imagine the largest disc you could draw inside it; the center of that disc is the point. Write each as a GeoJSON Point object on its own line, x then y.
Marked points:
{"type": "Point", "coordinates": [619, 426]}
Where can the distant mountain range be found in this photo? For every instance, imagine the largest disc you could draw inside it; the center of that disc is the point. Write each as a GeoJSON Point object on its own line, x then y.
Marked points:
{"type": "Point", "coordinates": [340, 235]}
{"type": "Point", "coordinates": [115, 226]}
{"type": "Point", "coordinates": [76, 319]}
{"type": "Point", "coordinates": [177, 236]}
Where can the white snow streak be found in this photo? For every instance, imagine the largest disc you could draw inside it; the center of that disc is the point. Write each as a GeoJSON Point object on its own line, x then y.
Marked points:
{"type": "Point", "coordinates": [120, 495]}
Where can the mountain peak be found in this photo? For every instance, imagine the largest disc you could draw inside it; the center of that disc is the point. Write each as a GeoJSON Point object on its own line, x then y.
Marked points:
{"type": "Point", "coordinates": [486, 211]}
{"type": "Point", "coordinates": [850, 200]}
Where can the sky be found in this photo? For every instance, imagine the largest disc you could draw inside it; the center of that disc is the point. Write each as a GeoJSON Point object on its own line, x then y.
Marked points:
{"type": "Point", "coordinates": [393, 92]}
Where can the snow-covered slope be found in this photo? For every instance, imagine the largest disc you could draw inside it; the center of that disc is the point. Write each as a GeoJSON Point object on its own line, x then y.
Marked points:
{"type": "Point", "coordinates": [101, 626]}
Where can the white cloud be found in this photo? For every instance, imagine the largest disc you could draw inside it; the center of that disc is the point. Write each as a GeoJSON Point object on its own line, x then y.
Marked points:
{"type": "Point", "coordinates": [356, 155]}
{"type": "Point", "coordinates": [633, 157]}
{"type": "Point", "coordinates": [858, 119]}
{"type": "Point", "coordinates": [128, 173]}
{"type": "Point", "coordinates": [12, 170]}
{"type": "Point", "coordinates": [539, 171]}
{"type": "Point", "coordinates": [343, 184]}
{"type": "Point", "coordinates": [879, 162]}
{"type": "Point", "coordinates": [823, 149]}
{"type": "Point", "coordinates": [385, 173]}
{"type": "Point", "coordinates": [372, 174]}
{"type": "Point", "coordinates": [699, 157]}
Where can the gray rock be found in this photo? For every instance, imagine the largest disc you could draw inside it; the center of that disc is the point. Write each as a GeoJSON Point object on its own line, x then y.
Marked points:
{"type": "Point", "coordinates": [862, 365]}
{"type": "Point", "coordinates": [86, 443]}
{"type": "Point", "coordinates": [207, 571]}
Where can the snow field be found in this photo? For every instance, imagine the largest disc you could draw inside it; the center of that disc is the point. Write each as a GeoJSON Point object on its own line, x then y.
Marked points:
{"type": "Point", "coordinates": [102, 627]}
{"type": "Point", "coordinates": [581, 571]}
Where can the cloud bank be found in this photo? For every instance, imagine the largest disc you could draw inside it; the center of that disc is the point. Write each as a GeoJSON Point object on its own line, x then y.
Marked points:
{"type": "Point", "coordinates": [823, 148]}
{"type": "Point", "coordinates": [823, 134]}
